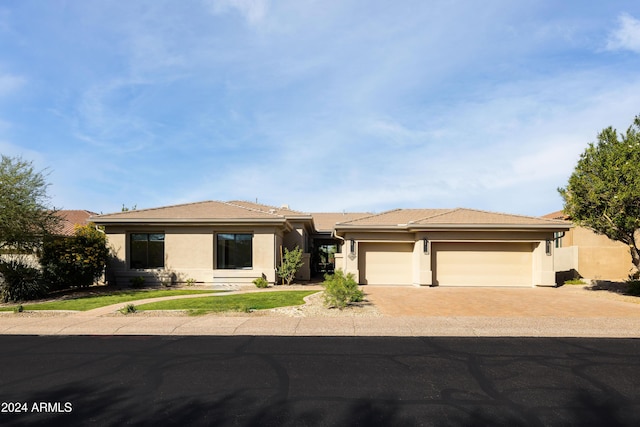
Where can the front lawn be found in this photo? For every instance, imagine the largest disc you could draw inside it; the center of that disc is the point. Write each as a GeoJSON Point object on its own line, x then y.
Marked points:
{"type": "Point", "coordinates": [84, 303]}
{"type": "Point", "coordinates": [240, 302]}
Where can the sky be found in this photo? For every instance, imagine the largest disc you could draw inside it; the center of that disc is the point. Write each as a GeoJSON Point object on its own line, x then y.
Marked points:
{"type": "Point", "coordinates": [327, 105]}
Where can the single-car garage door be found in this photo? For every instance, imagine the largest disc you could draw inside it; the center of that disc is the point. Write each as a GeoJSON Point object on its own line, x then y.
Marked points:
{"type": "Point", "coordinates": [482, 264]}
{"type": "Point", "coordinates": [385, 263]}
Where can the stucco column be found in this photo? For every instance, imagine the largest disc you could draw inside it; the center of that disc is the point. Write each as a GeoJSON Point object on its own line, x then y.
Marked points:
{"type": "Point", "coordinates": [543, 271]}
{"type": "Point", "coordinates": [422, 275]}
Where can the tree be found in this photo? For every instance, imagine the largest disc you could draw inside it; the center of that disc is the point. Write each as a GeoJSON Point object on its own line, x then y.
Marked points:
{"type": "Point", "coordinates": [603, 192]}
{"type": "Point", "coordinates": [291, 263]}
{"type": "Point", "coordinates": [76, 261]}
{"type": "Point", "coordinates": [25, 217]}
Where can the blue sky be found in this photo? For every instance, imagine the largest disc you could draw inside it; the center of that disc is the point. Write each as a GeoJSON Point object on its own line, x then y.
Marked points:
{"type": "Point", "coordinates": [332, 105]}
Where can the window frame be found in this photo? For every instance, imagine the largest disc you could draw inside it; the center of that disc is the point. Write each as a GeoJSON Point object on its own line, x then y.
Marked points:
{"type": "Point", "coordinates": [225, 260]}
{"type": "Point", "coordinates": [148, 255]}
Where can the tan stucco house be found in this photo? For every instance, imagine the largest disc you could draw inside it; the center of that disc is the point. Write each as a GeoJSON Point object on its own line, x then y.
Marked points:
{"type": "Point", "coordinates": [238, 241]}
{"type": "Point", "coordinates": [583, 253]}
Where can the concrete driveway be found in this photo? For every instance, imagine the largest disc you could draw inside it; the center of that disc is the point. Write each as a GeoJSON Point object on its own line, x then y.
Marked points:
{"type": "Point", "coordinates": [563, 302]}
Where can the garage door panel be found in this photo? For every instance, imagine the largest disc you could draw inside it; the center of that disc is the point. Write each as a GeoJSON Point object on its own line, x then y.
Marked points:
{"type": "Point", "coordinates": [386, 263]}
{"type": "Point", "coordinates": [483, 264]}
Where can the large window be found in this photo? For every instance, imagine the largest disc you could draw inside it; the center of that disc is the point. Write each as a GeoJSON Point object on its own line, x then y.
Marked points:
{"type": "Point", "coordinates": [234, 251]}
{"type": "Point", "coordinates": [147, 250]}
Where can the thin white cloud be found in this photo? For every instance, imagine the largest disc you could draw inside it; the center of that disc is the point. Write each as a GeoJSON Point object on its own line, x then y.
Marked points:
{"type": "Point", "coordinates": [253, 11]}
{"type": "Point", "coordinates": [10, 83]}
{"type": "Point", "coordinates": [627, 35]}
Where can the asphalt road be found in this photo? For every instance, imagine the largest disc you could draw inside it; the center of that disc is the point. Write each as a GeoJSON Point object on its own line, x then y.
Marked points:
{"type": "Point", "coordinates": [293, 381]}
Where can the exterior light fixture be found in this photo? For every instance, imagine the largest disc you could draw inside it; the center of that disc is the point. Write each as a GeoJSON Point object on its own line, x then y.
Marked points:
{"type": "Point", "coordinates": [352, 247]}
{"type": "Point", "coordinates": [548, 247]}
{"type": "Point", "coordinates": [425, 248]}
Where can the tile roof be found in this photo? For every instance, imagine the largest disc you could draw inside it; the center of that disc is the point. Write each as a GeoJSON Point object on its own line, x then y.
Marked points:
{"type": "Point", "coordinates": [326, 221]}
{"type": "Point", "coordinates": [556, 215]}
{"type": "Point", "coordinates": [453, 217]}
{"type": "Point", "coordinates": [395, 217]}
{"type": "Point", "coordinates": [208, 210]}
{"type": "Point", "coordinates": [282, 210]}
{"type": "Point", "coordinates": [71, 218]}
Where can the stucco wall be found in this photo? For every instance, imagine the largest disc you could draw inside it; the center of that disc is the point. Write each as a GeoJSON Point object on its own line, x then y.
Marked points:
{"type": "Point", "coordinates": [593, 256]}
{"type": "Point", "coordinates": [190, 254]}
{"type": "Point", "coordinates": [543, 273]}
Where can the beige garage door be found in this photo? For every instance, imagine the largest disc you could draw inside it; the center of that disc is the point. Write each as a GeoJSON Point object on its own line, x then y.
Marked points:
{"type": "Point", "coordinates": [482, 264]}
{"type": "Point", "coordinates": [385, 263]}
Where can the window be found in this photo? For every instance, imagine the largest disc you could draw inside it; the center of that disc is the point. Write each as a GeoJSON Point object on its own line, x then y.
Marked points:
{"type": "Point", "coordinates": [147, 250]}
{"type": "Point", "coordinates": [234, 251]}
{"type": "Point", "coordinates": [558, 238]}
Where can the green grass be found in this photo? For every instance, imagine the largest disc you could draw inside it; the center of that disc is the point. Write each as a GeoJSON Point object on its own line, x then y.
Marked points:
{"type": "Point", "coordinates": [241, 302]}
{"type": "Point", "coordinates": [84, 303]}
{"type": "Point", "coordinates": [575, 282]}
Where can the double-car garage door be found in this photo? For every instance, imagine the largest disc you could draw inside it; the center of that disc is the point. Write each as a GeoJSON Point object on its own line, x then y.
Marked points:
{"type": "Point", "coordinates": [452, 263]}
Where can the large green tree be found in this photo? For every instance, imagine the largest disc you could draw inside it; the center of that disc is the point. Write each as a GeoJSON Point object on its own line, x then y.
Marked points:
{"type": "Point", "coordinates": [25, 215]}
{"type": "Point", "coordinates": [603, 193]}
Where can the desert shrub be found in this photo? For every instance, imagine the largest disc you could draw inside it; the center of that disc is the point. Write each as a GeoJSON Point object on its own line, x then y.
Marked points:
{"type": "Point", "coordinates": [129, 308]}
{"type": "Point", "coordinates": [75, 261]}
{"type": "Point", "coordinates": [137, 282]}
{"type": "Point", "coordinates": [261, 282]}
{"type": "Point", "coordinates": [20, 282]}
{"type": "Point", "coordinates": [341, 290]}
{"type": "Point", "coordinates": [634, 287]}
{"type": "Point", "coordinates": [291, 263]}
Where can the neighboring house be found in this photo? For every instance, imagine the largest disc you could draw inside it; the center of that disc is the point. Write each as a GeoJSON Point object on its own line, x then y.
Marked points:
{"type": "Point", "coordinates": [235, 242]}
{"type": "Point", "coordinates": [70, 219]}
{"type": "Point", "coordinates": [583, 253]}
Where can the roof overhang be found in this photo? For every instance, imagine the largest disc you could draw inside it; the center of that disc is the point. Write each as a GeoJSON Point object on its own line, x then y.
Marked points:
{"type": "Point", "coordinates": [189, 221]}
{"type": "Point", "coordinates": [341, 229]}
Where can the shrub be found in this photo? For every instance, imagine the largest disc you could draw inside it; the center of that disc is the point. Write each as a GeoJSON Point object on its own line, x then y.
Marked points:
{"type": "Point", "coordinates": [137, 282]}
{"type": "Point", "coordinates": [20, 282]}
{"type": "Point", "coordinates": [261, 282]}
{"type": "Point", "coordinates": [18, 309]}
{"type": "Point", "coordinates": [191, 281]}
{"type": "Point", "coordinates": [634, 287]}
{"type": "Point", "coordinates": [291, 263]}
{"type": "Point", "coordinates": [575, 282]}
{"type": "Point", "coordinates": [75, 261]}
{"type": "Point", "coordinates": [341, 290]}
{"type": "Point", "coordinates": [129, 308]}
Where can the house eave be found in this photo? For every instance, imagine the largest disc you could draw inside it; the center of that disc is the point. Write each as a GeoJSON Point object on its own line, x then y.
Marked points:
{"type": "Point", "coordinates": [454, 227]}
{"type": "Point", "coordinates": [189, 221]}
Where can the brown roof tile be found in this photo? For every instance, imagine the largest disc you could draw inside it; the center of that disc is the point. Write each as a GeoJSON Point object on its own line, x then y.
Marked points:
{"type": "Point", "coordinates": [454, 217]}
{"type": "Point", "coordinates": [283, 210]}
{"type": "Point", "coordinates": [209, 210]}
{"type": "Point", "coordinates": [326, 221]}
{"type": "Point", "coordinates": [72, 218]}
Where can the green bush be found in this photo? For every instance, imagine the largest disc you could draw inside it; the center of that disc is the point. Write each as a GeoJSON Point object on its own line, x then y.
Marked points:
{"type": "Point", "coordinates": [137, 282]}
{"type": "Point", "coordinates": [261, 282]}
{"type": "Point", "coordinates": [634, 287]}
{"type": "Point", "coordinates": [20, 282]}
{"type": "Point", "coordinates": [291, 263]}
{"type": "Point", "coordinates": [341, 290]}
{"type": "Point", "coordinates": [75, 261]}
{"type": "Point", "coordinates": [129, 308]}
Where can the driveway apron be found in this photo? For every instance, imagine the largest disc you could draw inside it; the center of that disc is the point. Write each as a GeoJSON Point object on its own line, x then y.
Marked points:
{"type": "Point", "coordinates": [496, 302]}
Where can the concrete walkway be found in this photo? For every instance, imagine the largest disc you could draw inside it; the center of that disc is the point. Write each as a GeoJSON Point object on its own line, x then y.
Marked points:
{"type": "Point", "coordinates": [454, 312]}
